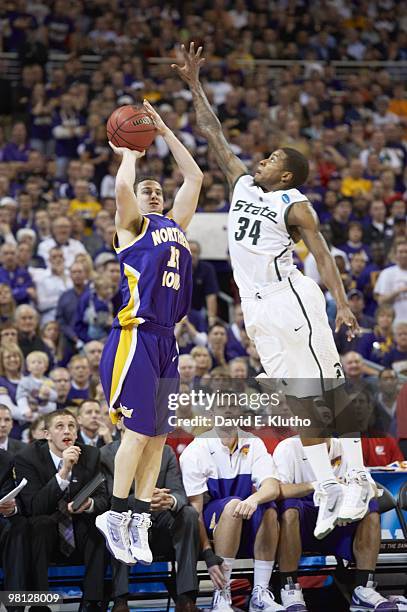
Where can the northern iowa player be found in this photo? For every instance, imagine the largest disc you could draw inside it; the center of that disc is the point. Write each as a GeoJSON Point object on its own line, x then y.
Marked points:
{"type": "Point", "coordinates": [156, 286]}
{"type": "Point", "coordinates": [284, 311]}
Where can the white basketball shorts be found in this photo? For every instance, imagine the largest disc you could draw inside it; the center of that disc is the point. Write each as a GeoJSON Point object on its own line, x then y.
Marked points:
{"type": "Point", "coordinates": [289, 327]}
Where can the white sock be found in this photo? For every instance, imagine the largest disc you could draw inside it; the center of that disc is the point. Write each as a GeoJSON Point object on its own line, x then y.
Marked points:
{"type": "Point", "coordinates": [352, 449]}
{"type": "Point", "coordinates": [317, 455]}
{"type": "Point", "coordinates": [262, 573]}
{"type": "Point", "coordinates": [227, 569]}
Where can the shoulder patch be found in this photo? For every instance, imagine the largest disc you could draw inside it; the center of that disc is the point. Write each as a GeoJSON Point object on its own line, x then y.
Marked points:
{"type": "Point", "coordinates": [286, 198]}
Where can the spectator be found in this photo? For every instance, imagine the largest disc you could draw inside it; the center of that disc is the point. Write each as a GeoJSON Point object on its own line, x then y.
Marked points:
{"type": "Point", "coordinates": [67, 307]}
{"type": "Point", "coordinates": [339, 222]}
{"type": "Point", "coordinates": [7, 304]}
{"type": "Point", "coordinates": [80, 374]}
{"type": "Point", "coordinates": [68, 128]}
{"type": "Point", "coordinates": [186, 368]}
{"type": "Point", "coordinates": [6, 424]}
{"type": "Point", "coordinates": [377, 228]}
{"type": "Point", "coordinates": [62, 383]}
{"type": "Point", "coordinates": [391, 286]}
{"type": "Point", "coordinates": [396, 358]}
{"type": "Point", "coordinates": [386, 402]}
{"type": "Point", "coordinates": [84, 203]}
{"type": "Point", "coordinates": [354, 242]}
{"type": "Point", "coordinates": [56, 470]}
{"type": "Point", "coordinates": [61, 237]}
{"type": "Point", "coordinates": [93, 352]}
{"type": "Point", "coordinates": [236, 337]}
{"type": "Point", "coordinates": [11, 367]}
{"type": "Point", "coordinates": [354, 183]}
{"type": "Point", "coordinates": [187, 335]}
{"type": "Point", "coordinates": [27, 320]}
{"type": "Point", "coordinates": [94, 315]}
{"type": "Point", "coordinates": [17, 149]}
{"type": "Point", "coordinates": [14, 537]}
{"type": "Point", "coordinates": [375, 345]}
{"type": "Point", "coordinates": [353, 368]}
{"type": "Point", "coordinates": [17, 278]}
{"type": "Point", "coordinates": [52, 285]}
{"type": "Point", "coordinates": [35, 392]}
{"type": "Point", "coordinates": [217, 341]}
{"type": "Point", "coordinates": [203, 361]}
{"type": "Point", "coordinates": [92, 429]}
{"type": "Point", "coordinates": [205, 286]}
{"type": "Point", "coordinates": [36, 430]}
{"type": "Point", "coordinates": [51, 335]}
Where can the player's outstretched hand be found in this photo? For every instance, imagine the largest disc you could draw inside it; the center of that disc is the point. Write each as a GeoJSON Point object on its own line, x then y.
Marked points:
{"type": "Point", "coordinates": [344, 316]}
{"type": "Point", "coordinates": [155, 117]}
{"type": "Point", "coordinates": [189, 72]}
{"type": "Point", "coordinates": [122, 150]}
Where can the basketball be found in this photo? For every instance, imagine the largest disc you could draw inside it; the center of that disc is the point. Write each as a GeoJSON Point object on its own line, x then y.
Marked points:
{"type": "Point", "coordinates": [131, 127]}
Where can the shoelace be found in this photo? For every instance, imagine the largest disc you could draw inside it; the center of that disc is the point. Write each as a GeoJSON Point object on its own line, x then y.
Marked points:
{"type": "Point", "coordinates": [222, 596]}
{"type": "Point", "coordinates": [260, 592]}
{"type": "Point", "coordinates": [143, 523]}
{"type": "Point", "coordinates": [123, 527]}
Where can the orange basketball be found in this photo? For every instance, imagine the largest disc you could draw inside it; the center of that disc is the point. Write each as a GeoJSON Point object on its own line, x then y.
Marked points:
{"type": "Point", "coordinates": [130, 126]}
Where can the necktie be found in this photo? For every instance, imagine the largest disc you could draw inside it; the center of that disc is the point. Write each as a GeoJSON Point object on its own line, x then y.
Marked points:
{"type": "Point", "coordinates": [65, 525]}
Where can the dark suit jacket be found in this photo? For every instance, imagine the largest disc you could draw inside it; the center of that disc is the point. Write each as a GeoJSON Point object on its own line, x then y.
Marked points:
{"type": "Point", "coordinates": [168, 478]}
{"type": "Point", "coordinates": [6, 473]}
{"type": "Point", "coordinates": [15, 446]}
{"type": "Point", "coordinates": [42, 493]}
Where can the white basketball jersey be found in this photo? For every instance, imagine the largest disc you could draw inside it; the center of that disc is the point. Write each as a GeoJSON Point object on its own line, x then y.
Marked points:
{"type": "Point", "coordinates": [259, 243]}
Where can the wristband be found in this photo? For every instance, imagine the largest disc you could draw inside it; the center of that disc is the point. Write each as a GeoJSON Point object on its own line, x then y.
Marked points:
{"type": "Point", "coordinates": [210, 558]}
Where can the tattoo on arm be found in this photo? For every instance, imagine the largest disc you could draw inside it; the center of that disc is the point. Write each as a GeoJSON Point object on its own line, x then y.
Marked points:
{"type": "Point", "coordinates": [211, 128]}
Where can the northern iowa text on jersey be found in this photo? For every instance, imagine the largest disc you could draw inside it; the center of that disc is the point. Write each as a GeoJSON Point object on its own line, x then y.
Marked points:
{"type": "Point", "coordinates": [253, 209]}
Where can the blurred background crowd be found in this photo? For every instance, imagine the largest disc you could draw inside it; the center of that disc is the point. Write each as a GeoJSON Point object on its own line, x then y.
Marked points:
{"type": "Point", "coordinates": [278, 73]}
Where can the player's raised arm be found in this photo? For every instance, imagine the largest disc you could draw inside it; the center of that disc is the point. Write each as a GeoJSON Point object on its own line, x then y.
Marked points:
{"type": "Point", "coordinates": [128, 215]}
{"type": "Point", "coordinates": [302, 216]}
{"type": "Point", "coordinates": [186, 200]}
{"type": "Point", "coordinates": [207, 121]}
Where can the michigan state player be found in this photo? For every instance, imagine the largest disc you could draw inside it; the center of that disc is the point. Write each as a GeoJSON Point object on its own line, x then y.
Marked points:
{"type": "Point", "coordinates": [141, 350]}
{"type": "Point", "coordinates": [284, 311]}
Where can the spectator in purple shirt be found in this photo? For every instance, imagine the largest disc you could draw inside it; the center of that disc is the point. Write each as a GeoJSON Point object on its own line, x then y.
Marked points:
{"type": "Point", "coordinates": [396, 358]}
{"type": "Point", "coordinates": [68, 128]}
{"type": "Point", "coordinates": [60, 28]}
{"type": "Point", "coordinates": [354, 242]}
{"type": "Point", "coordinates": [17, 149]}
{"type": "Point", "coordinates": [205, 284]}
{"type": "Point", "coordinates": [19, 279]}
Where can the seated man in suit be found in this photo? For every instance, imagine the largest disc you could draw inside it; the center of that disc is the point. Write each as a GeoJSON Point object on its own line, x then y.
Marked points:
{"type": "Point", "coordinates": [14, 557]}
{"type": "Point", "coordinates": [57, 469]}
{"type": "Point", "coordinates": [174, 530]}
{"type": "Point", "coordinates": [92, 427]}
{"type": "Point", "coordinates": [6, 425]}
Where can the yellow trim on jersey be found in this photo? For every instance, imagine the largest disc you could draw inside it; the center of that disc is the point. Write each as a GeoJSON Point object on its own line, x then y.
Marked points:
{"type": "Point", "coordinates": [123, 358]}
{"type": "Point", "coordinates": [127, 315]}
{"type": "Point", "coordinates": [146, 223]}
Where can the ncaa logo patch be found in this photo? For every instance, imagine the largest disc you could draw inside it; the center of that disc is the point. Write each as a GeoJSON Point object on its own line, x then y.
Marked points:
{"type": "Point", "coordinates": [286, 198]}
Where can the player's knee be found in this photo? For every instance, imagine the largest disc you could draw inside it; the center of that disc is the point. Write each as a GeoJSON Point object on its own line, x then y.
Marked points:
{"type": "Point", "coordinates": [230, 508]}
{"type": "Point", "coordinates": [290, 518]}
{"type": "Point", "coordinates": [270, 517]}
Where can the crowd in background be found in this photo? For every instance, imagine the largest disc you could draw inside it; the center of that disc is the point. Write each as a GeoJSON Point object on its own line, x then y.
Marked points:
{"type": "Point", "coordinates": [59, 279]}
